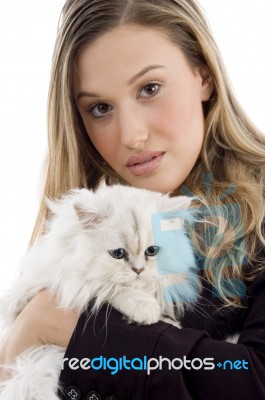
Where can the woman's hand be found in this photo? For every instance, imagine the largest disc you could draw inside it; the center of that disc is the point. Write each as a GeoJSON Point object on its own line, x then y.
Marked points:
{"type": "Point", "coordinates": [40, 322]}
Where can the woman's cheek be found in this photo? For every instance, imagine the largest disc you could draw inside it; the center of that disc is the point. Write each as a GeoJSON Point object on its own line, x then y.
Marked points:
{"type": "Point", "coordinates": [105, 139]}
{"type": "Point", "coordinates": [169, 119]}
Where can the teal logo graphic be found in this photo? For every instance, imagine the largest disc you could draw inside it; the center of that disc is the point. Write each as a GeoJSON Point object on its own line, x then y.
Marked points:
{"type": "Point", "coordinates": [169, 234]}
{"type": "Point", "coordinates": [177, 256]}
{"type": "Point", "coordinates": [233, 365]}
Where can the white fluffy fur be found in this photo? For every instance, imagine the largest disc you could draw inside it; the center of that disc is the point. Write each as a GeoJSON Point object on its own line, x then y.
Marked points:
{"type": "Point", "coordinates": [72, 261]}
{"type": "Point", "coordinates": [34, 375]}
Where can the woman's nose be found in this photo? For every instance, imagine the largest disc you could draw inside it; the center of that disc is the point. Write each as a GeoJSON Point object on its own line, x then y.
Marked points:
{"type": "Point", "coordinates": [133, 130]}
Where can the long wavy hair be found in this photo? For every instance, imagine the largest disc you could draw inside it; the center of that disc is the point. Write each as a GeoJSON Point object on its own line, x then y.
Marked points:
{"type": "Point", "coordinates": [230, 169]}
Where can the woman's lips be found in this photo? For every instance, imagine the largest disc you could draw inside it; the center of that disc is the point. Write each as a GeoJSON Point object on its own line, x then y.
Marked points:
{"type": "Point", "coordinates": [145, 163]}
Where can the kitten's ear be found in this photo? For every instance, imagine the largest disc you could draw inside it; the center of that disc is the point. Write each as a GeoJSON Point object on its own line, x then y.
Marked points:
{"type": "Point", "coordinates": [88, 218]}
{"type": "Point", "coordinates": [55, 206]}
{"type": "Point", "coordinates": [51, 204]}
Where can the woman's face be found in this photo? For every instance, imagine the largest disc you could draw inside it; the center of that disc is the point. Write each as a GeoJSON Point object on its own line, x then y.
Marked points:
{"type": "Point", "coordinates": [141, 103]}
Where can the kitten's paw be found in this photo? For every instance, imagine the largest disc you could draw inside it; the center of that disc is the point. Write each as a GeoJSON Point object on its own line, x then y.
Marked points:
{"type": "Point", "coordinates": [144, 312]}
{"type": "Point", "coordinates": [232, 338]}
{"type": "Point", "coordinates": [170, 321]}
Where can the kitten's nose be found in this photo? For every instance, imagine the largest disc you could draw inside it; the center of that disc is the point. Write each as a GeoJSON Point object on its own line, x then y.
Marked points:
{"type": "Point", "coordinates": [137, 270]}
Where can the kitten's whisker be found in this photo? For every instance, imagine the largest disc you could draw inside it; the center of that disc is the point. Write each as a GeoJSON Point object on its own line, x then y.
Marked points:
{"type": "Point", "coordinates": [205, 289]}
{"type": "Point", "coordinates": [207, 302]}
{"type": "Point", "coordinates": [196, 310]}
{"type": "Point", "coordinates": [90, 313]}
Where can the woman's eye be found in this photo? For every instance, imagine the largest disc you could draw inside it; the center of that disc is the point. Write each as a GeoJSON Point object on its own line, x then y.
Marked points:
{"type": "Point", "coordinates": [119, 254]}
{"type": "Point", "coordinates": [149, 90]}
{"type": "Point", "coordinates": [99, 110]}
{"type": "Point", "coordinates": [151, 251]}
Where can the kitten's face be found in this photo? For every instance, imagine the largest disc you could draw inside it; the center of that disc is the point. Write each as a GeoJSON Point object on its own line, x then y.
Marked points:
{"type": "Point", "coordinates": [121, 249]}
{"type": "Point", "coordinates": [129, 250]}
{"type": "Point", "coordinates": [121, 240]}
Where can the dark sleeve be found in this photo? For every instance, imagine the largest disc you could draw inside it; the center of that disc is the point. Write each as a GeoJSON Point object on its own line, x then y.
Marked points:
{"type": "Point", "coordinates": [192, 365]}
{"type": "Point", "coordinates": [243, 375]}
{"type": "Point", "coordinates": [106, 337]}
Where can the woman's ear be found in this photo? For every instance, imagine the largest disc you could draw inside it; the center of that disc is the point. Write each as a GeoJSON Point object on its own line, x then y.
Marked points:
{"type": "Point", "coordinates": [207, 85]}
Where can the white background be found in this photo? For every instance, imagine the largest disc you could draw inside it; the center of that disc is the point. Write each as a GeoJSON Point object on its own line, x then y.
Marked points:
{"type": "Point", "coordinates": [27, 34]}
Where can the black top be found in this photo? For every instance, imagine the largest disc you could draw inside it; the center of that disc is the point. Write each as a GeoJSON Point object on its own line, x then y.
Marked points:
{"type": "Point", "coordinates": [237, 371]}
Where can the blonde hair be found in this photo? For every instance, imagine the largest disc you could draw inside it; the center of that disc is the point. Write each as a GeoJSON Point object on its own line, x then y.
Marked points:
{"type": "Point", "coordinates": [233, 151]}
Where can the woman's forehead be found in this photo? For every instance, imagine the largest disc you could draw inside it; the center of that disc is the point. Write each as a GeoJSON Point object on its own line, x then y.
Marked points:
{"type": "Point", "coordinates": [123, 53]}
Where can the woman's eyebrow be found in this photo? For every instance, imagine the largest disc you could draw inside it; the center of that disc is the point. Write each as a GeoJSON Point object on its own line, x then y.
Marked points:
{"type": "Point", "coordinates": [130, 82]}
{"type": "Point", "coordinates": [86, 94]}
{"type": "Point", "coordinates": [143, 72]}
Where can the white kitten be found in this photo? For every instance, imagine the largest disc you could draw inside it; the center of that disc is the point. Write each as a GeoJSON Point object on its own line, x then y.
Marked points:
{"type": "Point", "coordinates": [99, 247]}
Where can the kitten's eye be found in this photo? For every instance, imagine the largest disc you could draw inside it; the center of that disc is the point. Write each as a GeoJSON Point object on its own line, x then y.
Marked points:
{"type": "Point", "coordinates": [119, 253]}
{"type": "Point", "coordinates": [151, 251]}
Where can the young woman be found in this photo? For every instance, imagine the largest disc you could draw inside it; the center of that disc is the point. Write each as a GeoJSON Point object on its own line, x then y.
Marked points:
{"type": "Point", "coordinates": [139, 95]}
